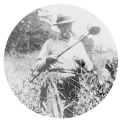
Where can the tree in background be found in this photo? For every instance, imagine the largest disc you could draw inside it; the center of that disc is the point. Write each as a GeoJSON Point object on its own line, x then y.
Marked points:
{"type": "Point", "coordinates": [30, 33]}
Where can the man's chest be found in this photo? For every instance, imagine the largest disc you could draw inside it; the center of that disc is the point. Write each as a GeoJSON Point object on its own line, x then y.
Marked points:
{"type": "Point", "coordinates": [58, 47]}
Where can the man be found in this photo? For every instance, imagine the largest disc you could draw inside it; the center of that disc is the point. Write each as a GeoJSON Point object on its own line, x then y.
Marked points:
{"type": "Point", "coordinates": [66, 64]}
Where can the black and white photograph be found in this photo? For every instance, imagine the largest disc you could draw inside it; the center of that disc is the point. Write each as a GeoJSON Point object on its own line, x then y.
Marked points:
{"type": "Point", "coordinates": [60, 61]}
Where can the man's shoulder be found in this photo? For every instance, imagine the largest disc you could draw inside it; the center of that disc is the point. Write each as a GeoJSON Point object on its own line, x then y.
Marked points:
{"type": "Point", "coordinates": [51, 40]}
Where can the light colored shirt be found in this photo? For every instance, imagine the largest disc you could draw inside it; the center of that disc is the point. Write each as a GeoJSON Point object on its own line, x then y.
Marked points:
{"type": "Point", "coordinates": [66, 60]}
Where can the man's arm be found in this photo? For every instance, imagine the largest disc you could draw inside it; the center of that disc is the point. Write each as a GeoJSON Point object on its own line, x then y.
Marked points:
{"type": "Point", "coordinates": [85, 58]}
{"type": "Point", "coordinates": [44, 59]}
{"type": "Point", "coordinates": [40, 63]}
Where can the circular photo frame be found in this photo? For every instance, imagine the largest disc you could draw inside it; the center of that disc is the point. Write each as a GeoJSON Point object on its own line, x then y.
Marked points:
{"type": "Point", "coordinates": [60, 61]}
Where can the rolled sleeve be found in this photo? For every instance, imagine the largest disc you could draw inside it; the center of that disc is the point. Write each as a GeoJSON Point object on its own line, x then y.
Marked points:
{"type": "Point", "coordinates": [85, 57]}
{"type": "Point", "coordinates": [40, 61]}
{"type": "Point", "coordinates": [44, 52]}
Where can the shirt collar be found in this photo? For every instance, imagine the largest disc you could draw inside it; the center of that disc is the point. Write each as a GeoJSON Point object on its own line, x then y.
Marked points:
{"type": "Point", "coordinates": [60, 38]}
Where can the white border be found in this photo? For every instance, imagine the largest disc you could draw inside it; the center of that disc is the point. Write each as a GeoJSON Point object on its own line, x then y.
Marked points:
{"type": "Point", "coordinates": [111, 109]}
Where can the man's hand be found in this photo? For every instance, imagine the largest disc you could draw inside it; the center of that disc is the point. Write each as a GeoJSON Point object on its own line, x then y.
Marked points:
{"type": "Point", "coordinates": [51, 59]}
{"type": "Point", "coordinates": [43, 64]}
{"type": "Point", "coordinates": [89, 67]}
{"type": "Point", "coordinates": [40, 65]}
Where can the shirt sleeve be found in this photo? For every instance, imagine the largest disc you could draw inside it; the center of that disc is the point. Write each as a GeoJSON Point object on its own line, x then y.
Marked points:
{"type": "Point", "coordinates": [45, 51]}
{"type": "Point", "coordinates": [85, 57]}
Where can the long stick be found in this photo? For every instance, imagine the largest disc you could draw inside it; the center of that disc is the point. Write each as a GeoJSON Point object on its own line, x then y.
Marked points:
{"type": "Point", "coordinates": [34, 77]}
{"type": "Point", "coordinates": [72, 45]}
{"type": "Point", "coordinates": [62, 53]}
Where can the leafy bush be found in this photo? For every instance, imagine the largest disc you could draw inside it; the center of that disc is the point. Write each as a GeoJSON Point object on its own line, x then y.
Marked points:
{"type": "Point", "coordinates": [30, 33]}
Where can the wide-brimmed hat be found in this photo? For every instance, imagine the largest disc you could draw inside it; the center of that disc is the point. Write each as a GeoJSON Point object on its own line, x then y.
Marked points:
{"type": "Point", "coordinates": [62, 19]}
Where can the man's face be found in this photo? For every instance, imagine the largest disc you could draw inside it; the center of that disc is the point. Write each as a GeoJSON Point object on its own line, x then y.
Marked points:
{"type": "Point", "coordinates": [65, 30]}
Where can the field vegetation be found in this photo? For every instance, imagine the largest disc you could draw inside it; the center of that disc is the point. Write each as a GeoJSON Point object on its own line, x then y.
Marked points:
{"type": "Point", "coordinates": [22, 48]}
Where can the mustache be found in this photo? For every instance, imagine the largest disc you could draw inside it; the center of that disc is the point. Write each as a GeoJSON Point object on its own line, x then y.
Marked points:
{"type": "Point", "coordinates": [67, 33]}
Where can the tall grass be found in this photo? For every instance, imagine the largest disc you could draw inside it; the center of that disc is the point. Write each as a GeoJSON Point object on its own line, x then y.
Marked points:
{"type": "Point", "coordinates": [17, 70]}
